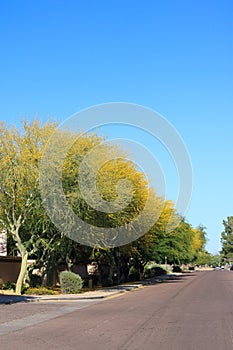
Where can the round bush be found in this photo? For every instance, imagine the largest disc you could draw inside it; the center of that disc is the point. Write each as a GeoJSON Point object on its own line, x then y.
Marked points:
{"type": "Point", "coordinates": [176, 268]}
{"type": "Point", "coordinates": [70, 282]}
{"type": "Point", "coordinates": [154, 271]}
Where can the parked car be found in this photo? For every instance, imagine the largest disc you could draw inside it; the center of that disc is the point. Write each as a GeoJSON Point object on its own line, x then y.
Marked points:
{"type": "Point", "coordinates": [231, 268]}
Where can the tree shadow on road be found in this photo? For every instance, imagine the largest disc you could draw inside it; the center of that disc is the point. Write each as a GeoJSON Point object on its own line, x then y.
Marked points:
{"type": "Point", "coordinates": [169, 279]}
{"type": "Point", "coordinates": [179, 278]}
{"type": "Point", "coordinates": [12, 299]}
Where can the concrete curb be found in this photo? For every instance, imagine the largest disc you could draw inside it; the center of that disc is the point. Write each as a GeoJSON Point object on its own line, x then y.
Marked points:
{"type": "Point", "coordinates": [90, 295]}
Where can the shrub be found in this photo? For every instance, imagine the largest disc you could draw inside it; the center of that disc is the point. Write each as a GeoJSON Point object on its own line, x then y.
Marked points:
{"type": "Point", "coordinates": [71, 283]}
{"type": "Point", "coordinates": [40, 291]}
{"type": "Point", "coordinates": [133, 274]}
{"type": "Point", "coordinates": [106, 280]}
{"type": "Point", "coordinates": [134, 277]}
{"type": "Point", "coordinates": [176, 268]}
{"type": "Point", "coordinates": [9, 285]}
{"type": "Point", "coordinates": [24, 288]}
{"type": "Point", "coordinates": [35, 280]}
{"type": "Point", "coordinates": [191, 268]}
{"type": "Point", "coordinates": [154, 271]}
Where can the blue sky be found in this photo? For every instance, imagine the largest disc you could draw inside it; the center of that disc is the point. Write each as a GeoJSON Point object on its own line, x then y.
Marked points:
{"type": "Point", "coordinates": [176, 57]}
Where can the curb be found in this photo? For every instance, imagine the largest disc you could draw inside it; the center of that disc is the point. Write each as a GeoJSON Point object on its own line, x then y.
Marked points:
{"type": "Point", "coordinates": [103, 294]}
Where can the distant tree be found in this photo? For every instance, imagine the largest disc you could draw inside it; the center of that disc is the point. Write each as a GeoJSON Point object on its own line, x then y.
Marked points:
{"type": "Point", "coordinates": [216, 260]}
{"type": "Point", "coordinates": [227, 239]}
{"type": "Point", "coordinates": [200, 237]}
{"type": "Point", "coordinates": [203, 258]}
{"type": "Point", "coordinates": [176, 245]}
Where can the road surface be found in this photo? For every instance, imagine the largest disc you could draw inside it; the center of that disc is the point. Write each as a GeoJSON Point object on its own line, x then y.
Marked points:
{"type": "Point", "coordinates": [194, 312]}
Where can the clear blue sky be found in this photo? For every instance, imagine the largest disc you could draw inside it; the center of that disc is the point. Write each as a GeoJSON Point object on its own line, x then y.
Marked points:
{"type": "Point", "coordinates": [176, 57]}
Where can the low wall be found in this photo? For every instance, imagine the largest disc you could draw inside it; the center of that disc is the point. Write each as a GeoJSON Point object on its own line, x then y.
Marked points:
{"type": "Point", "coordinates": [9, 268]}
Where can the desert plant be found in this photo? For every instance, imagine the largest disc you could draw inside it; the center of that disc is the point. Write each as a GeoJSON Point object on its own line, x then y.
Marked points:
{"type": "Point", "coordinates": [70, 282]}
{"type": "Point", "coordinates": [9, 285]}
{"type": "Point", "coordinates": [40, 291]}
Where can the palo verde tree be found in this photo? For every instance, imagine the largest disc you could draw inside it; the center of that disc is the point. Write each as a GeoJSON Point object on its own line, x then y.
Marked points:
{"type": "Point", "coordinates": [22, 213]}
{"type": "Point", "coordinates": [118, 182]}
{"type": "Point", "coordinates": [20, 153]}
{"type": "Point", "coordinates": [112, 172]}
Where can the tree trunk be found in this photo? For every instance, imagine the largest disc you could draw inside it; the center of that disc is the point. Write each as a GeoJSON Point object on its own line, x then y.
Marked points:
{"type": "Point", "coordinates": [22, 273]}
{"type": "Point", "coordinates": [23, 252]}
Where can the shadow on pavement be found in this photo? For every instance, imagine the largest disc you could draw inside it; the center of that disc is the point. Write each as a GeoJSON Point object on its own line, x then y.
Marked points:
{"type": "Point", "coordinates": [175, 280]}
{"type": "Point", "coordinates": [168, 279]}
{"type": "Point", "coordinates": [100, 294]}
{"type": "Point", "coordinates": [180, 278]}
{"type": "Point", "coordinates": [12, 299]}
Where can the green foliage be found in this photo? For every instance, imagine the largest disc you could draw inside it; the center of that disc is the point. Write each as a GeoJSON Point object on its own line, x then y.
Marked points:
{"type": "Point", "coordinates": [154, 271]}
{"type": "Point", "coordinates": [24, 288]}
{"type": "Point", "coordinates": [176, 268]}
{"type": "Point", "coordinates": [31, 232]}
{"type": "Point", "coordinates": [216, 260]}
{"type": "Point", "coordinates": [203, 258]}
{"type": "Point", "coordinates": [9, 285]}
{"type": "Point", "coordinates": [227, 239]}
{"type": "Point", "coordinates": [181, 245]}
{"type": "Point", "coordinates": [106, 280]}
{"type": "Point", "coordinates": [35, 281]}
{"type": "Point", "coordinates": [133, 274]}
{"type": "Point", "coordinates": [40, 291]}
{"type": "Point", "coordinates": [21, 151]}
{"type": "Point", "coordinates": [71, 283]}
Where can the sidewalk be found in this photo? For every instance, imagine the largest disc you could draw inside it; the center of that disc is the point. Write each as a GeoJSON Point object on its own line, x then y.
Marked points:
{"type": "Point", "coordinates": [95, 294]}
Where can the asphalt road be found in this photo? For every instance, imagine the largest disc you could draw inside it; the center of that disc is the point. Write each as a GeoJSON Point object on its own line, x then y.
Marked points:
{"type": "Point", "coordinates": [194, 312]}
